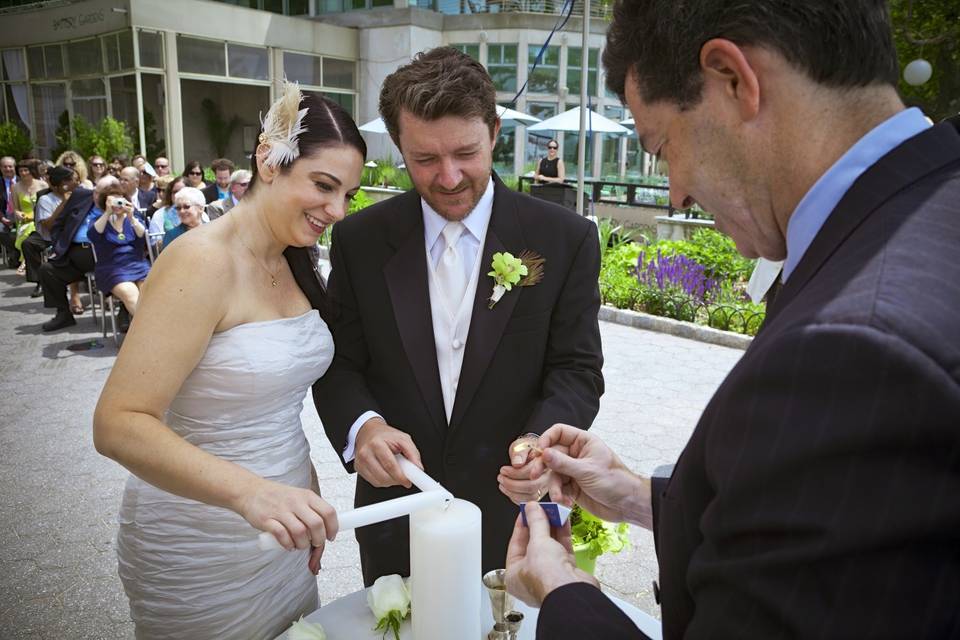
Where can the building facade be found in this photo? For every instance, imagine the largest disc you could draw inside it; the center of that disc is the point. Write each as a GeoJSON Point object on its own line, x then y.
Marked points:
{"type": "Point", "coordinates": [191, 77]}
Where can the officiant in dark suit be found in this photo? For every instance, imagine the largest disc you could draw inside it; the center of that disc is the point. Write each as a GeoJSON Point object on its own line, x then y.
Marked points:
{"type": "Point", "coordinates": [819, 495]}
{"type": "Point", "coordinates": [426, 364]}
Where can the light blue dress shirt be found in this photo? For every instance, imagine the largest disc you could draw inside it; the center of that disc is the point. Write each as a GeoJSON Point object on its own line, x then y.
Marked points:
{"type": "Point", "coordinates": [816, 206]}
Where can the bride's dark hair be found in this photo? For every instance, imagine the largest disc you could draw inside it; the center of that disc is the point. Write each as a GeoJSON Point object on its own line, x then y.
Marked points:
{"type": "Point", "coordinates": [326, 124]}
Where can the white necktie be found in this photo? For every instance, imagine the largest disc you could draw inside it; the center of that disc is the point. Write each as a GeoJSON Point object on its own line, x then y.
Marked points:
{"type": "Point", "coordinates": [450, 272]}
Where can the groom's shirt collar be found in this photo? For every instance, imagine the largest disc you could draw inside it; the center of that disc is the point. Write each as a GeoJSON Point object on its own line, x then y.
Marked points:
{"type": "Point", "coordinates": [476, 221]}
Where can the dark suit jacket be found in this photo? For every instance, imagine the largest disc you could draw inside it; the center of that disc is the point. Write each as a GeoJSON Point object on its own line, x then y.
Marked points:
{"type": "Point", "coordinates": [819, 496]}
{"type": "Point", "coordinates": [210, 192]}
{"type": "Point", "coordinates": [531, 361]}
{"type": "Point", "coordinates": [69, 221]}
{"type": "Point", "coordinates": [3, 203]}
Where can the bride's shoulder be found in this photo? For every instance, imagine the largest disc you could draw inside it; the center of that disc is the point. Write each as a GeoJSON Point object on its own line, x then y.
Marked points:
{"type": "Point", "coordinates": [199, 257]}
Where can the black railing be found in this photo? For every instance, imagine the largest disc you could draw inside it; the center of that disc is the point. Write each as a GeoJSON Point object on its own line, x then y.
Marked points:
{"type": "Point", "coordinates": [727, 317]}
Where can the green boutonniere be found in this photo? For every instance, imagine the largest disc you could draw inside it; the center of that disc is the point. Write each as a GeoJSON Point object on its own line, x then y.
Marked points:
{"type": "Point", "coordinates": [509, 271]}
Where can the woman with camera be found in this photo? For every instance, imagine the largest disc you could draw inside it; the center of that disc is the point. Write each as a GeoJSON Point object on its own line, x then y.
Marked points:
{"type": "Point", "coordinates": [119, 240]}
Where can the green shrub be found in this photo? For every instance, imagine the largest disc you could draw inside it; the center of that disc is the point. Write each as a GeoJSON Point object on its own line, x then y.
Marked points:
{"type": "Point", "coordinates": [110, 138]}
{"type": "Point", "coordinates": [14, 141]}
{"type": "Point", "coordinates": [716, 252]}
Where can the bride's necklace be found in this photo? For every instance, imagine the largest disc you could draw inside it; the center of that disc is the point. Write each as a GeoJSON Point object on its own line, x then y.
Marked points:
{"type": "Point", "coordinates": [273, 274]}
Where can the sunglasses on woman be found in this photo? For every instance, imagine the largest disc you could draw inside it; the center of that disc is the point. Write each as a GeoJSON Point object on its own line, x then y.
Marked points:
{"type": "Point", "coordinates": [551, 146]}
{"type": "Point", "coordinates": [195, 173]}
{"type": "Point", "coordinates": [184, 207]}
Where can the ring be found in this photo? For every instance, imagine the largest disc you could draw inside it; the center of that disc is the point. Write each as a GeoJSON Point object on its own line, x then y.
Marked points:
{"type": "Point", "coordinates": [539, 494]}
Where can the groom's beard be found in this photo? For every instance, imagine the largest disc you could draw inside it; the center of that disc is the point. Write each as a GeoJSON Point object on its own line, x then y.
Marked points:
{"type": "Point", "coordinates": [452, 208]}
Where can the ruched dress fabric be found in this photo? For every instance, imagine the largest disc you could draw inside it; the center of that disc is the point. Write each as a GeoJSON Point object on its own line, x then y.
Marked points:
{"type": "Point", "coordinates": [191, 570]}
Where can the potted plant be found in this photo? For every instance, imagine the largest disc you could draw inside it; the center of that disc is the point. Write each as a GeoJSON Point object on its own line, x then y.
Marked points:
{"type": "Point", "coordinates": [592, 537]}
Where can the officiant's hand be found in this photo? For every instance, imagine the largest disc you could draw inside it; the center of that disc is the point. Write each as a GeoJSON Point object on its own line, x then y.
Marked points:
{"type": "Point", "coordinates": [540, 558]}
{"type": "Point", "coordinates": [297, 518]}
{"type": "Point", "coordinates": [516, 480]}
{"type": "Point", "coordinates": [590, 474]}
{"type": "Point", "coordinates": [376, 448]}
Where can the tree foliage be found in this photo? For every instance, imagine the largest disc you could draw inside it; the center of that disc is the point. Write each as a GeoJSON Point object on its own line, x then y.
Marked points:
{"type": "Point", "coordinates": [930, 29]}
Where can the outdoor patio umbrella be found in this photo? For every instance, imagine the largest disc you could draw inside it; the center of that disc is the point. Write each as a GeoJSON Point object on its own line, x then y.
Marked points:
{"type": "Point", "coordinates": [377, 126]}
{"type": "Point", "coordinates": [628, 122]}
{"type": "Point", "coordinates": [570, 121]}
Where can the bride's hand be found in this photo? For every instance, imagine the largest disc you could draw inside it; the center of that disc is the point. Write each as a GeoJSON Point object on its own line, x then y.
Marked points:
{"type": "Point", "coordinates": [297, 518]}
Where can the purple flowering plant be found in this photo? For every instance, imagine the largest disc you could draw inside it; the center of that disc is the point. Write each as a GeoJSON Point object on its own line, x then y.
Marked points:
{"type": "Point", "coordinates": [676, 275]}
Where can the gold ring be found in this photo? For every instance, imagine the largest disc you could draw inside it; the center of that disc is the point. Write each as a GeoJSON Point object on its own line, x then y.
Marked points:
{"type": "Point", "coordinates": [539, 494]}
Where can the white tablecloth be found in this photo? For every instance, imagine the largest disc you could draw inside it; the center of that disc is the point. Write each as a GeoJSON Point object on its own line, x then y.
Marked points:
{"type": "Point", "coordinates": [349, 618]}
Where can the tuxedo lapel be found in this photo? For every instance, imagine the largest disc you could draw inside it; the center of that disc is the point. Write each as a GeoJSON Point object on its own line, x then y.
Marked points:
{"type": "Point", "coordinates": [906, 164]}
{"type": "Point", "coordinates": [487, 325]}
{"type": "Point", "coordinates": [406, 278]}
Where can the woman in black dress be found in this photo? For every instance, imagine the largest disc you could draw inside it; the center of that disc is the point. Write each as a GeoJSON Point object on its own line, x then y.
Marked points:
{"type": "Point", "coordinates": [550, 169]}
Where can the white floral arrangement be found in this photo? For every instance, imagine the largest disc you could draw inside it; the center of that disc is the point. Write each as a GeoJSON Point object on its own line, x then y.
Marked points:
{"type": "Point", "coordinates": [389, 600]}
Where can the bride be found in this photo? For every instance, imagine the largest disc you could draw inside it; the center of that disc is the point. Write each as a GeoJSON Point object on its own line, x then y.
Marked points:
{"type": "Point", "coordinates": [203, 404]}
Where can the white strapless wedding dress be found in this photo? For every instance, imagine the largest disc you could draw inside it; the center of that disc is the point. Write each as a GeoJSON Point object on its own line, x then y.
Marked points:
{"type": "Point", "coordinates": [192, 570]}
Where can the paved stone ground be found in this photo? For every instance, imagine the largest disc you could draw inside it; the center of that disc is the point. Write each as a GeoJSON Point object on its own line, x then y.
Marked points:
{"type": "Point", "coordinates": [58, 574]}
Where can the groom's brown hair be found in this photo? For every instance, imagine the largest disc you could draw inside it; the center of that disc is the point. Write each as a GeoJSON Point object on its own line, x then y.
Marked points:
{"type": "Point", "coordinates": [437, 83]}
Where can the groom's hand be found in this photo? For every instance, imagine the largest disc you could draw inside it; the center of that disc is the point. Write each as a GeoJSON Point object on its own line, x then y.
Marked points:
{"type": "Point", "coordinates": [376, 447]}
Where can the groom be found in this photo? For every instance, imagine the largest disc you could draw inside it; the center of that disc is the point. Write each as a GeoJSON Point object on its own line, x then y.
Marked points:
{"type": "Point", "coordinates": [424, 365]}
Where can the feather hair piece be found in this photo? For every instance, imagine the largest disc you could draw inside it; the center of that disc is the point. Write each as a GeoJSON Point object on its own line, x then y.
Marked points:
{"type": "Point", "coordinates": [282, 127]}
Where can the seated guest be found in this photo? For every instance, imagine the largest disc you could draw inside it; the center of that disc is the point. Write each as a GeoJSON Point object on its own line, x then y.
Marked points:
{"type": "Point", "coordinates": [73, 160]}
{"type": "Point", "coordinates": [193, 175]}
{"type": "Point", "coordinates": [62, 182]}
{"type": "Point", "coordinates": [189, 203]}
{"type": "Point", "coordinates": [119, 239]}
{"type": "Point", "coordinates": [146, 191]}
{"type": "Point", "coordinates": [165, 217]}
{"type": "Point", "coordinates": [8, 223]}
{"type": "Point", "coordinates": [72, 256]}
{"type": "Point", "coordinates": [162, 166]}
{"type": "Point", "coordinates": [24, 194]}
{"type": "Point", "coordinates": [222, 169]}
{"type": "Point", "coordinates": [116, 164]}
{"type": "Point", "coordinates": [98, 168]}
{"type": "Point", "coordinates": [239, 181]}
{"type": "Point", "coordinates": [129, 183]}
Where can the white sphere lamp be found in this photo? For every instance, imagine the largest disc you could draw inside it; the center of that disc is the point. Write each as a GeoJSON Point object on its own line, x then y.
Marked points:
{"type": "Point", "coordinates": [917, 72]}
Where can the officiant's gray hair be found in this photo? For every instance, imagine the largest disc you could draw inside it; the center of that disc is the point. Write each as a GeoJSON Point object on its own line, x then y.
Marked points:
{"type": "Point", "coordinates": [440, 82]}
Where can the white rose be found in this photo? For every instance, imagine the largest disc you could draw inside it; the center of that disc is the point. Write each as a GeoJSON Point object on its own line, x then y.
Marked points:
{"type": "Point", "coordinates": [389, 593]}
{"type": "Point", "coordinates": [306, 631]}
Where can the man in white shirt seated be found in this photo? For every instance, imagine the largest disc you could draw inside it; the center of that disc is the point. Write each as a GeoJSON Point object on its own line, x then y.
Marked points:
{"type": "Point", "coordinates": [239, 181]}
{"type": "Point", "coordinates": [62, 181]}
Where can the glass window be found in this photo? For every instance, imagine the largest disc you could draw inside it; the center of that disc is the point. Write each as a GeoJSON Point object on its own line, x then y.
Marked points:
{"type": "Point", "coordinates": [472, 50]}
{"type": "Point", "coordinates": [503, 150]}
{"type": "Point", "coordinates": [536, 146]}
{"type": "Point", "coordinates": [49, 102]}
{"type": "Point", "coordinates": [125, 44]}
{"type": "Point", "coordinates": [303, 68]}
{"type": "Point", "coordinates": [274, 6]}
{"type": "Point", "coordinates": [502, 65]}
{"type": "Point", "coordinates": [574, 73]}
{"type": "Point", "coordinates": [13, 65]}
{"type": "Point", "coordinates": [123, 100]}
{"type": "Point", "coordinates": [84, 57]}
{"type": "Point", "coordinates": [89, 99]}
{"type": "Point", "coordinates": [330, 6]}
{"type": "Point", "coordinates": [151, 49]}
{"type": "Point", "coordinates": [154, 115]}
{"type": "Point", "coordinates": [247, 62]}
{"type": "Point", "coordinates": [345, 100]}
{"type": "Point", "coordinates": [381, 3]}
{"type": "Point", "coordinates": [201, 56]}
{"type": "Point", "coordinates": [35, 63]}
{"type": "Point", "coordinates": [298, 7]}
{"type": "Point", "coordinates": [543, 78]}
{"type": "Point", "coordinates": [338, 73]}
{"type": "Point", "coordinates": [53, 60]}
{"type": "Point", "coordinates": [112, 52]}
{"type": "Point", "coordinates": [15, 95]}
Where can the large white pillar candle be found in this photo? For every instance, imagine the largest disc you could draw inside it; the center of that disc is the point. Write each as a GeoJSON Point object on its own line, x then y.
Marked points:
{"type": "Point", "coordinates": [445, 587]}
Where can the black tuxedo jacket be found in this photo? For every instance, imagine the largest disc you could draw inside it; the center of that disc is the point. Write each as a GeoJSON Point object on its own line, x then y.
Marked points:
{"type": "Point", "coordinates": [68, 222]}
{"type": "Point", "coordinates": [819, 496]}
{"type": "Point", "coordinates": [531, 361]}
